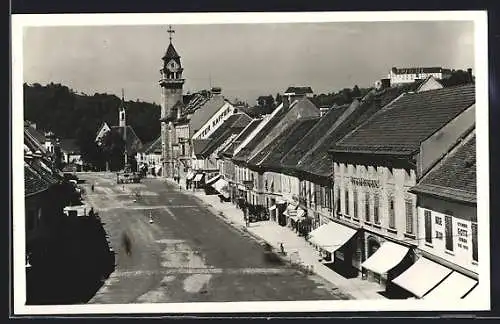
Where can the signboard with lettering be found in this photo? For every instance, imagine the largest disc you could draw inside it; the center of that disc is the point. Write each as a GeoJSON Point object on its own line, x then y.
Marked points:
{"type": "Point", "coordinates": [463, 233]}
{"type": "Point", "coordinates": [365, 182]}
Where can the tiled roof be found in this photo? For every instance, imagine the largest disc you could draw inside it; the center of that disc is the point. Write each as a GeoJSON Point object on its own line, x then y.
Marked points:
{"type": "Point", "coordinates": [33, 182]}
{"type": "Point", "coordinates": [69, 145]}
{"type": "Point", "coordinates": [299, 90]}
{"type": "Point", "coordinates": [44, 170]}
{"type": "Point", "coordinates": [245, 153]}
{"type": "Point", "coordinates": [38, 135]}
{"type": "Point", "coordinates": [308, 141]}
{"type": "Point", "coordinates": [132, 141]}
{"type": "Point", "coordinates": [402, 127]}
{"type": "Point", "coordinates": [234, 124]}
{"type": "Point", "coordinates": [153, 147]}
{"type": "Point", "coordinates": [271, 156]}
{"type": "Point", "coordinates": [170, 54]}
{"type": "Point", "coordinates": [455, 176]}
{"type": "Point", "coordinates": [317, 160]}
{"type": "Point", "coordinates": [205, 112]}
{"type": "Point", "coordinates": [34, 139]}
{"type": "Point", "coordinates": [241, 137]}
{"type": "Point", "coordinates": [199, 145]}
{"type": "Point", "coordinates": [193, 102]}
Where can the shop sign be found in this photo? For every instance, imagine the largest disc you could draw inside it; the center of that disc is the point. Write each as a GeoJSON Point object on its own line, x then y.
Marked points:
{"type": "Point", "coordinates": [365, 182]}
{"type": "Point", "coordinates": [339, 255]}
{"type": "Point", "coordinates": [462, 235]}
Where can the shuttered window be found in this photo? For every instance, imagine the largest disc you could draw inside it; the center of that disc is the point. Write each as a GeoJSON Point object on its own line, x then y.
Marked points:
{"type": "Point", "coordinates": [409, 216]}
{"type": "Point", "coordinates": [392, 214]}
{"type": "Point", "coordinates": [428, 226]}
{"type": "Point", "coordinates": [448, 228]}
{"type": "Point", "coordinates": [376, 206]}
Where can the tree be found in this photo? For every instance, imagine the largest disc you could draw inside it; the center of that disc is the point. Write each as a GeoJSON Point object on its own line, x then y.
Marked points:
{"type": "Point", "coordinates": [113, 148]}
{"type": "Point", "coordinates": [355, 91]}
{"type": "Point", "coordinates": [458, 77]}
{"type": "Point", "coordinates": [278, 99]}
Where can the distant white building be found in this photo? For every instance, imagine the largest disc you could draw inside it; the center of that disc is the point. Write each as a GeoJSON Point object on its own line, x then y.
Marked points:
{"type": "Point", "coordinates": [409, 75]}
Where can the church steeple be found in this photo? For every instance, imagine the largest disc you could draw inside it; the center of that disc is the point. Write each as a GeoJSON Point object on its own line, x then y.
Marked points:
{"type": "Point", "coordinates": [171, 84]}
{"type": "Point", "coordinates": [122, 118]}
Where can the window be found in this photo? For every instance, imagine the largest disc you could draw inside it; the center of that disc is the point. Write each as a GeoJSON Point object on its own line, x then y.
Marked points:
{"type": "Point", "coordinates": [474, 242]}
{"type": "Point", "coordinates": [367, 207]}
{"type": "Point", "coordinates": [409, 216]}
{"type": "Point", "coordinates": [346, 203]}
{"type": "Point", "coordinates": [448, 231]}
{"type": "Point", "coordinates": [428, 226]}
{"type": "Point", "coordinates": [355, 200]}
{"type": "Point", "coordinates": [392, 214]}
{"type": "Point", "coordinates": [376, 218]}
{"type": "Point", "coordinates": [439, 220]}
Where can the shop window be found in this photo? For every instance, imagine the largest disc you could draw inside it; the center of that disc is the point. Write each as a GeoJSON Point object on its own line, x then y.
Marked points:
{"type": "Point", "coordinates": [409, 216]}
{"type": "Point", "coordinates": [376, 207]}
{"type": "Point", "coordinates": [392, 214]}
{"type": "Point", "coordinates": [474, 242]}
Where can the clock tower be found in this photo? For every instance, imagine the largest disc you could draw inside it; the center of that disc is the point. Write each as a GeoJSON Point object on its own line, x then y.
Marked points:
{"type": "Point", "coordinates": [171, 84]}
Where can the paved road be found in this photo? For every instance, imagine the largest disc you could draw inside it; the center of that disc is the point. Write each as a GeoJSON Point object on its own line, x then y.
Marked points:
{"type": "Point", "coordinates": [187, 253]}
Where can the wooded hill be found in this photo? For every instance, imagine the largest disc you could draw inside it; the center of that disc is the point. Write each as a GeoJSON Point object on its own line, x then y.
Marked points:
{"type": "Point", "coordinates": [68, 114]}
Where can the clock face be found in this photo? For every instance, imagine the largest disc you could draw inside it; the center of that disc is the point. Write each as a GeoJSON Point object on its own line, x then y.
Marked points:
{"type": "Point", "coordinates": [172, 65]}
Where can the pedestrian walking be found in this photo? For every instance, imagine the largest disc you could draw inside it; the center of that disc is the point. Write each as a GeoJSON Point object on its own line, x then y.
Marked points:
{"type": "Point", "coordinates": [91, 212]}
{"type": "Point", "coordinates": [92, 187]}
{"type": "Point", "coordinates": [282, 248]}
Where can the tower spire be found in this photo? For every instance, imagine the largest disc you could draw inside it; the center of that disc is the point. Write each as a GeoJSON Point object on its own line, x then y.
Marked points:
{"type": "Point", "coordinates": [170, 31]}
{"type": "Point", "coordinates": [123, 96]}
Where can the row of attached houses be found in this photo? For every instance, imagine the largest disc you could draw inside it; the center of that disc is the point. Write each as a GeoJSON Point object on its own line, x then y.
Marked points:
{"type": "Point", "coordinates": [384, 187]}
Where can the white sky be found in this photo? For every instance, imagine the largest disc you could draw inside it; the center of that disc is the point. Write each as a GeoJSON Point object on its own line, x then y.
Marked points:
{"type": "Point", "coordinates": [246, 60]}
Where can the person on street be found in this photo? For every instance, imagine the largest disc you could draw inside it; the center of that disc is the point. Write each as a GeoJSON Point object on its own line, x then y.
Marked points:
{"type": "Point", "coordinates": [92, 187]}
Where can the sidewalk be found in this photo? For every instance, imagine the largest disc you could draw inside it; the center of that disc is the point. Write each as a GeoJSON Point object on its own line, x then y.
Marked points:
{"type": "Point", "coordinates": [296, 247]}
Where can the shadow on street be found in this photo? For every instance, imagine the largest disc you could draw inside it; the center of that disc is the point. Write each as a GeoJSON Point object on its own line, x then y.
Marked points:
{"type": "Point", "coordinates": [76, 267]}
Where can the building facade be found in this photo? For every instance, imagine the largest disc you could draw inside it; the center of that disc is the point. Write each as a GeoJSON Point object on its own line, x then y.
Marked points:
{"type": "Point", "coordinates": [375, 167]}
{"type": "Point", "coordinates": [409, 75]}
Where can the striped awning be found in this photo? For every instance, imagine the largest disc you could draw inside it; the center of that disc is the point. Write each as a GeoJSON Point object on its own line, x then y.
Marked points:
{"type": "Point", "coordinates": [212, 180]}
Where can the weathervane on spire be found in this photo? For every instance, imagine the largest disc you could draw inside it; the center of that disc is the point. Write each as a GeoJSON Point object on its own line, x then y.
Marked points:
{"type": "Point", "coordinates": [170, 31]}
